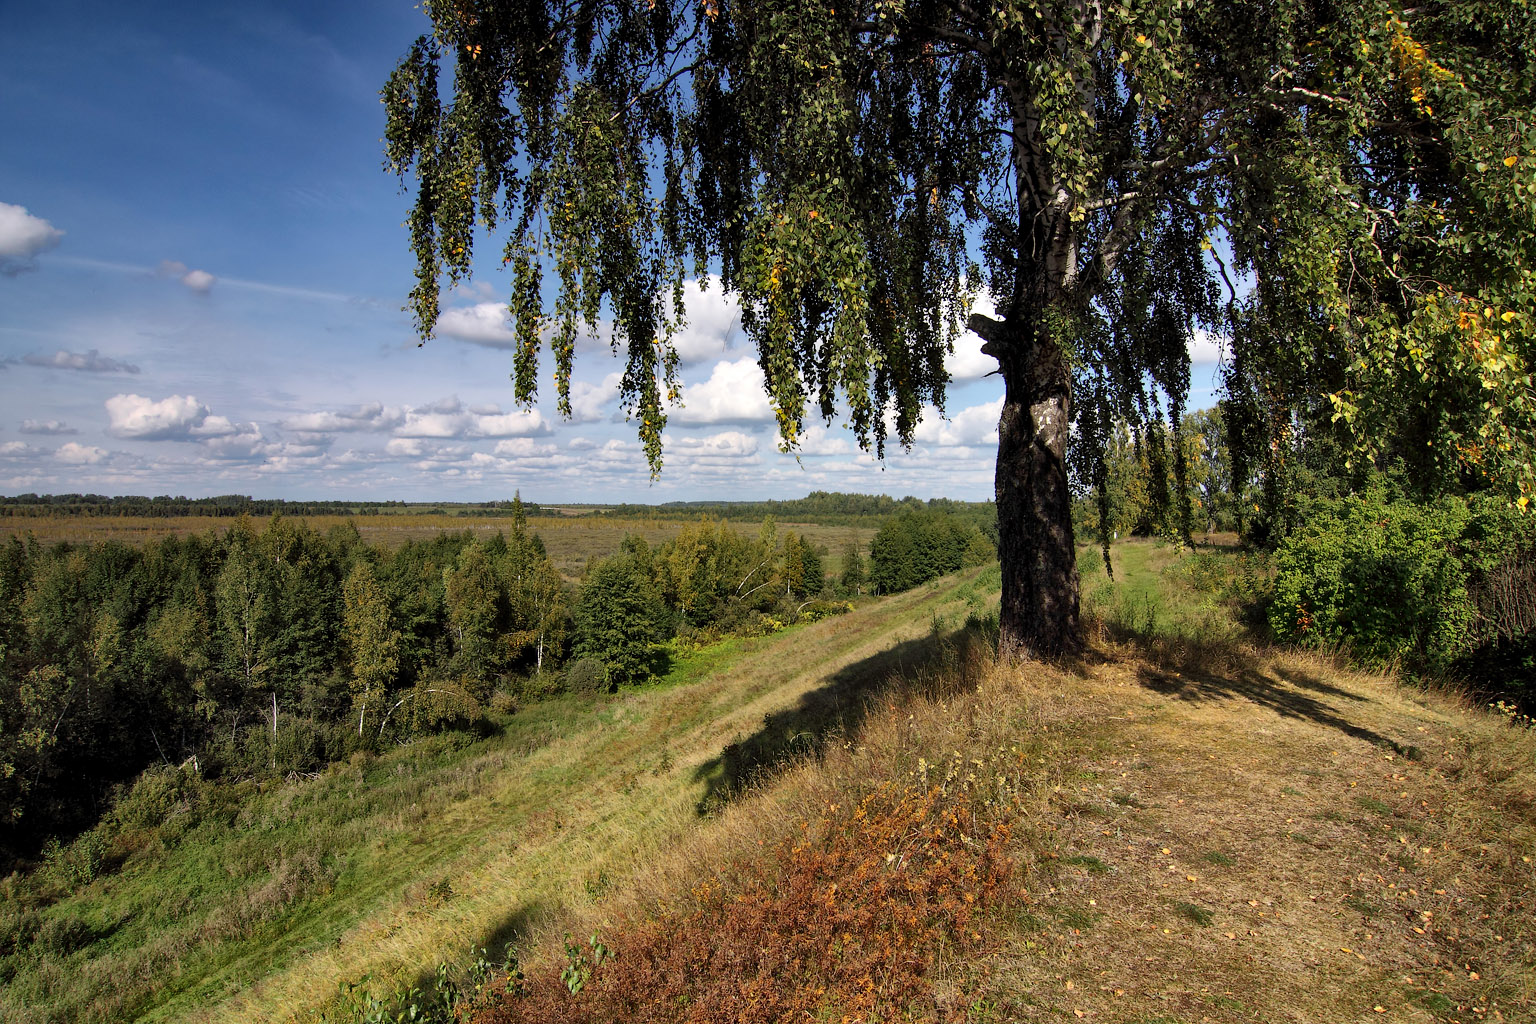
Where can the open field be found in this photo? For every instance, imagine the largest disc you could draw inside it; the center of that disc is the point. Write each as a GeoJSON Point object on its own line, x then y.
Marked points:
{"type": "Point", "coordinates": [570, 540]}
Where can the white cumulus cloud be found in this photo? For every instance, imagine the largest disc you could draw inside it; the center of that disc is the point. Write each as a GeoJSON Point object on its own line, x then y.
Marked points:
{"type": "Point", "coordinates": [519, 423]}
{"type": "Point", "coordinates": [967, 361]}
{"type": "Point", "coordinates": [199, 281]}
{"type": "Point", "coordinates": [484, 323]}
{"type": "Point", "coordinates": [80, 454]}
{"type": "Point", "coordinates": [728, 445]}
{"type": "Point", "coordinates": [975, 426]}
{"type": "Point", "coordinates": [448, 419]}
{"type": "Point", "coordinates": [713, 322]}
{"type": "Point", "coordinates": [592, 403]}
{"type": "Point", "coordinates": [1205, 347]}
{"type": "Point", "coordinates": [372, 416]}
{"type": "Point", "coordinates": [177, 418]}
{"type": "Point", "coordinates": [22, 238]}
{"type": "Point", "coordinates": [732, 394]}
{"type": "Point", "coordinates": [818, 440]}
{"type": "Point", "coordinates": [525, 448]}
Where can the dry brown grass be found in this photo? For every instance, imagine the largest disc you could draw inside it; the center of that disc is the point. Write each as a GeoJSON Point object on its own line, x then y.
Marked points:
{"type": "Point", "coordinates": [1269, 837]}
{"type": "Point", "coordinates": [1251, 837]}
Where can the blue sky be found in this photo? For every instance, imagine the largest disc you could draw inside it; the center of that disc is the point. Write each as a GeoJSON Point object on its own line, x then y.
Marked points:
{"type": "Point", "coordinates": [202, 266]}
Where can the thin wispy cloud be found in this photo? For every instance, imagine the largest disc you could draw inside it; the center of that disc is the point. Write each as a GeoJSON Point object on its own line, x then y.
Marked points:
{"type": "Point", "coordinates": [202, 281]}
{"type": "Point", "coordinates": [47, 427]}
{"type": "Point", "coordinates": [86, 362]}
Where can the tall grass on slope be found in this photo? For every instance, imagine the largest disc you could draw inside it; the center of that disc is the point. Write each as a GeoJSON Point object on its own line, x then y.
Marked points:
{"type": "Point", "coordinates": [861, 886]}
{"type": "Point", "coordinates": [1259, 836]}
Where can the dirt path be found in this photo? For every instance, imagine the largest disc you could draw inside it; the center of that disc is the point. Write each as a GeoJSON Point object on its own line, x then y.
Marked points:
{"type": "Point", "coordinates": [1274, 839]}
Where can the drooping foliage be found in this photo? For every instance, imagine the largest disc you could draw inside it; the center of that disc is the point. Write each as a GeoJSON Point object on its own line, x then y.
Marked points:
{"type": "Point", "coordinates": [854, 173]}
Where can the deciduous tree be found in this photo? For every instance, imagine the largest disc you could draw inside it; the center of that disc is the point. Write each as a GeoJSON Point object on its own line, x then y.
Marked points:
{"type": "Point", "coordinates": [853, 172]}
{"type": "Point", "coordinates": [371, 637]}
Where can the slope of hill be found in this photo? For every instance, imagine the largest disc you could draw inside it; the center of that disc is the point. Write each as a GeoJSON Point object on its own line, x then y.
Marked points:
{"type": "Point", "coordinates": [1163, 831]}
{"type": "Point", "coordinates": [1177, 827]}
{"type": "Point", "coordinates": [252, 905]}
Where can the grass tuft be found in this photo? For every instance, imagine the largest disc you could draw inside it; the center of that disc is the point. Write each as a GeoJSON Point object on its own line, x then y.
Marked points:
{"type": "Point", "coordinates": [1198, 914]}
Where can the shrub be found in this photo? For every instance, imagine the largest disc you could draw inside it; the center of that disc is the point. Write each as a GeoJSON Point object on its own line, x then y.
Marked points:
{"type": "Point", "coordinates": [587, 675]}
{"type": "Point", "coordinates": [441, 706]}
{"type": "Point", "coordinates": [830, 925]}
{"type": "Point", "coordinates": [1439, 586]}
{"type": "Point", "coordinates": [68, 868]}
{"type": "Point", "coordinates": [154, 796]}
{"type": "Point", "coordinates": [300, 746]}
{"type": "Point", "coordinates": [818, 610]}
{"type": "Point", "coordinates": [1381, 578]}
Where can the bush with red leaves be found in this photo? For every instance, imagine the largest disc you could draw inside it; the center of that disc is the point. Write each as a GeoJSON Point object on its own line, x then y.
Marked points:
{"type": "Point", "coordinates": [841, 923]}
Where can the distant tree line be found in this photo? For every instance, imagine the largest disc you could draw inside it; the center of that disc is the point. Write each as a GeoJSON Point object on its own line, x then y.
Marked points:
{"type": "Point", "coordinates": [233, 505]}
{"type": "Point", "coordinates": [816, 507]}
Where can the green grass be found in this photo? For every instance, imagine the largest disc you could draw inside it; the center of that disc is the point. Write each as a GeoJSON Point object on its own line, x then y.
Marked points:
{"type": "Point", "coordinates": [1153, 593]}
{"type": "Point", "coordinates": [1093, 865]}
{"type": "Point", "coordinates": [1193, 912]}
{"type": "Point", "coordinates": [254, 904]}
{"type": "Point", "coordinates": [1374, 806]}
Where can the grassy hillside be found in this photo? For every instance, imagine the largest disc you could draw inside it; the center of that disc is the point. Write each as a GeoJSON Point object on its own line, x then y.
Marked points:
{"type": "Point", "coordinates": [1176, 827]}
{"type": "Point", "coordinates": [1169, 830]}
{"type": "Point", "coordinates": [382, 866]}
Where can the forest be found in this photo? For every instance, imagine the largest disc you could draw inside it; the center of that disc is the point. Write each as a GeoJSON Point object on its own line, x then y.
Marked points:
{"type": "Point", "coordinates": [1435, 578]}
{"type": "Point", "coordinates": [270, 648]}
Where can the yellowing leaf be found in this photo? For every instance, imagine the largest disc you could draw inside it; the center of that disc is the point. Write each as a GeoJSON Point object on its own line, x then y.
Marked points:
{"type": "Point", "coordinates": [1510, 161]}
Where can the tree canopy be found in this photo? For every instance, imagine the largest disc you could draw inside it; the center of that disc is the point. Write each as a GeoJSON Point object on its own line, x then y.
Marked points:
{"type": "Point", "coordinates": [854, 173]}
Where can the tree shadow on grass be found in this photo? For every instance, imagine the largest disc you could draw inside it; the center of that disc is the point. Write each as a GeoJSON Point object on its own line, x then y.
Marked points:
{"type": "Point", "coordinates": [928, 666]}
{"type": "Point", "coordinates": [497, 945]}
{"type": "Point", "coordinates": [1287, 693]}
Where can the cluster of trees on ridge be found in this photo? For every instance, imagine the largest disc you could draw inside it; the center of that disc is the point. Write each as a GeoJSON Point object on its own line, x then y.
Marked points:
{"type": "Point", "coordinates": [257, 652]}
{"type": "Point", "coordinates": [1438, 580]}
